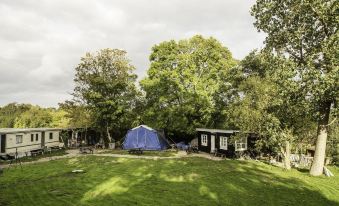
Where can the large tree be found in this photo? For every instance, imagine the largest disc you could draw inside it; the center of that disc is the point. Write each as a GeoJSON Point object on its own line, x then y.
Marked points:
{"type": "Point", "coordinates": [306, 31]}
{"type": "Point", "coordinates": [182, 81]}
{"type": "Point", "coordinates": [105, 84]}
{"type": "Point", "coordinates": [266, 105]}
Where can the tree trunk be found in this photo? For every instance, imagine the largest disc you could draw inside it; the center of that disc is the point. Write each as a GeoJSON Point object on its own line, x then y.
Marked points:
{"type": "Point", "coordinates": [320, 147]}
{"type": "Point", "coordinates": [108, 134]}
{"type": "Point", "coordinates": [287, 161]}
{"type": "Point", "coordinates": [286, 155]}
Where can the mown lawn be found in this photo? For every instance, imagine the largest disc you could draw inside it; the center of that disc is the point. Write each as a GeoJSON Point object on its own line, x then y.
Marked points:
{"type": "Point", "coordinates": [186, 181]}
{"type": "Point", "coordinates": [165, 153]}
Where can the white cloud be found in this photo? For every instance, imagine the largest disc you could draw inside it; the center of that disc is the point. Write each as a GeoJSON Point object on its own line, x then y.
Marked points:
{"type": "Point", "coordinates": [43, 40]}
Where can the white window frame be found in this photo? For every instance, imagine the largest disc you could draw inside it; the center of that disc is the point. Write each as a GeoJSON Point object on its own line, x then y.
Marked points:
{"type": "Point", "coordinates": [241, 145]}
{"type": "Point", "coordinates": [19, 138]}
{"type": "Point", "coordinates": [204, 140]}
{"type": "Point", "coordinates": [223, 142]}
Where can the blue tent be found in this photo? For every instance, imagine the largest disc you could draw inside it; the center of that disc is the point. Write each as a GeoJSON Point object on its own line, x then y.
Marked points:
{"type": "Point", "coordinates": [145, 138]}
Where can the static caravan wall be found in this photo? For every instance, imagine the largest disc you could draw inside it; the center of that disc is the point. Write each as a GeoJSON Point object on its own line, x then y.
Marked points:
{"type": "Point", "coordinates": [52, 138]}
{"type": "Point", "coordinates": [26, 145]}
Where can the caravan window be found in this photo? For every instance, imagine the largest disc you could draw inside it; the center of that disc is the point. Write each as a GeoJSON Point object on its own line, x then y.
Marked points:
{"type": "Point", "coordinates": [36, 137]}
{"type": "Point", "coordinates": [223, 143]}
{"type": "Point", "coordinates": [204, 139]}
{"type": "Point", "coordinates": [32, 137]}
{"type": "Point", "coordinates": [241, 144]}
{"type": "Point", "coordinates": [51, 135]}
{"type": "Point", "coordinates": [18, 139]}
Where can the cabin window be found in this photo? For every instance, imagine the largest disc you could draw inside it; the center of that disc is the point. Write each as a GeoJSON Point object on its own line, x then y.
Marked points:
{"type": "Point", "coordinates": [36, 137]}
{"type": "Point", "coordinates": [51, 135]}
{"type": "Point", "coordinates": [19, 139]}
{"type": "Point", "coordinates": [32, 137]}
{"type": "Point", "coordinates": [204, 139]}
{"type": "Point", "coordinates": [241, 144]}
{"type": "Point", "coordinates": [223, 143]}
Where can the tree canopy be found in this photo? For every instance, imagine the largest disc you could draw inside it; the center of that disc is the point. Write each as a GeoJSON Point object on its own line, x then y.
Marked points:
{"type": "Point", "coordinates": [182, 81]}
{"type": "Point", "coordinates": [306, 32]}
{"type": "Point", "coordinates": [105, 85]}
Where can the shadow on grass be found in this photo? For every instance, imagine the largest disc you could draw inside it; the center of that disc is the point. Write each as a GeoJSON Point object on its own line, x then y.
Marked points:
{"type": "Point", "coordinates": [212, 183]}
{"type": "Point", "coordinates": [188, 181]}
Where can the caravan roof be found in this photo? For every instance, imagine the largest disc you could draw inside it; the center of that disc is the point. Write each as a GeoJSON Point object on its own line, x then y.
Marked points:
{"type": "Point", "coordinates": [25, 130]}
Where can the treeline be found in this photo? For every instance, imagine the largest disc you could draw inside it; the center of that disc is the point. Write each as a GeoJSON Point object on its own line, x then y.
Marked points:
{"type": "Point", "coordinates": [16, 115]}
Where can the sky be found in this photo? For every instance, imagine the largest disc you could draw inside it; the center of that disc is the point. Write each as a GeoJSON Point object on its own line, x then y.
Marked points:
{"type": "Point", "coordinates": [42, 41]}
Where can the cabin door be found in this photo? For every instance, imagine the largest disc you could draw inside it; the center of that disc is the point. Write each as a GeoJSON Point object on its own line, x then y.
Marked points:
{"type": "Point", "coordinates": [212, 143]}
{"type": "Point", "coordinates": [2, 143]}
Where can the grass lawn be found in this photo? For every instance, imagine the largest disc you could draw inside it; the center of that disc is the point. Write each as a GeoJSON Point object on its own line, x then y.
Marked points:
{"type": "Point", "coordinates": [186, 181]}
{"type": "Point", "coordinates": [166, 153]}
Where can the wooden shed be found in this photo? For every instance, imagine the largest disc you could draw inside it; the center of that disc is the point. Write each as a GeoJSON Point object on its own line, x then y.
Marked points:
{"type": "Point", "coordinates": [211, 140]}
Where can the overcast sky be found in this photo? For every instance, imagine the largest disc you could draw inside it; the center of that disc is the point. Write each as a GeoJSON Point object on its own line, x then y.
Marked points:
{"type": "Point", "coordinates": [41, 41]}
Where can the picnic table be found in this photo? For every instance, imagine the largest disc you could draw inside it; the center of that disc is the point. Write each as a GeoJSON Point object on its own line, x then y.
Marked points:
{"type": "Point", "coordinates": [7, 157]}
{"type": "Point", "coordinates": [137, 151]}
{"type": "Point", "coordinates": [37, 152]}
{"type": "Point", "coordinates": [55, 148]}
{"type": "Point", "coordinates": [98, 145]}
{"type": "Point", "coordinates": [85, 150]}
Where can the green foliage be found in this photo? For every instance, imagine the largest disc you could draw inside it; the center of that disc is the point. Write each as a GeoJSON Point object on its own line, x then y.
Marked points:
{"type": "Point", "coordinates": [106, 87]}
{"type": "Point", "coordinates": [16, 115]}
{"type": "Point", "coordinates": [35, 117]}
{"type": "Point", "coordinates": [333, 142]}
{"type": "Point", "coordinates": [9, 113]}
{"type": "Point", "coordinates": [307, 32]}
{"type": "Point", "coordinates": [268, 103]}
{"type": "Point", "coordinates": [59, 119]}
{"type": "Point", "coordinates": [78, 115]}
{"type": "Point", "coordinates": [183, 80]}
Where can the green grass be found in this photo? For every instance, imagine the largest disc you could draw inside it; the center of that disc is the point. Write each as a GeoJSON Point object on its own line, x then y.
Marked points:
{"type": "Point", "coordinates": [166, 153]}
{"type": "Point", "coordinates": [186, 181]}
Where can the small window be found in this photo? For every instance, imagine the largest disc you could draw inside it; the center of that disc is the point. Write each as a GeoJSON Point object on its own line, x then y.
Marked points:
{"type": "Point", "coordinates": [19, 139]}
{"type": "Point", "coordinates": [204, 139]}
{"type": "Point", "coordinates": [241, 144]}
{"type": "Point", "coordinates": [223, 143]}
{"type": "Point", "coordinates": [32, 137]}
{"type": "Point", "coordinates": [36, 137]}
{"type": "Point", "coordinates": [51, 135]}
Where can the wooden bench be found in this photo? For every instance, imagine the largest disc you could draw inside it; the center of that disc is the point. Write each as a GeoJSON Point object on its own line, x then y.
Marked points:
{"type": "Point", "coordinates": [137, 151]}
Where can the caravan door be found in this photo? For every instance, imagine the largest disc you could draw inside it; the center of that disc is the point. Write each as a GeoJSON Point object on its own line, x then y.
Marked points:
{"type": "Point", "coordinates": [2, 143]}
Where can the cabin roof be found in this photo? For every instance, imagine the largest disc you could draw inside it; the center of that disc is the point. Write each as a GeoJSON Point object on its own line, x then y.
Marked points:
{"type": "Point", "coordinates": [216, 130]}
{"type": "Point", "coordinates": [25, 130]}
